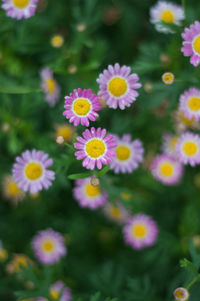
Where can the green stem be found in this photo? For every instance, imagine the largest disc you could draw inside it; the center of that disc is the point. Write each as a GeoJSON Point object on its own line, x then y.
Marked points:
{"type": "Point", "coordinates": [193, 282]}
{"type": "Point", "coordinates": [69, 145]}
{"type": "Point", "coordinates": [184, 6]}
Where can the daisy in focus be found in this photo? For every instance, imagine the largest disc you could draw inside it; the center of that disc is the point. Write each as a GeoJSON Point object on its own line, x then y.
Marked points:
{"type": "Point", "coordinates": [57, 41]}
{"type": "Point", "coordinates": [140, 231]}
{"type": "Point", "coordinates": [66, 131]}
{"type": "Point", "coordinates": [166, 169]}
{"type": "Point", "coordinates": [129, 153]}
{"type": "Point", "coordinates": [168, 78]}
{"type": "Point", "coordinates": [118, 87]}
{"type": "Point", "coordinates": [11, 191]}
{"type": "Point", "coordinates": [169, 144]}
{"type": "Point", "coordinates": [88, 195]}
{"type": "Point", "coordinates": [95, 148]}
{"type": "Point", "coordinates": [82, 106]}
{"type": "Point", "coordinates": [188, 149]}
{"type": "Point", "coordinates": [50, 87]}
{"type": "Point", "coordinates": [31, 172]}
{"type": "Point", "coordinates": [168, 13]}
{"type": "Point", "coordinates": [3, 252]}
{"type": "Point", "coordinates": [19, 9]}
{"type": "Point", "coordinates": [181, 294]}
{"type": "Point", "coordinates": [59, 291]}
{"type": "Point", "coordinates": [190, 103]}
{"type": "Point", "coordinates": [48, 246]}
{"type": "Point", "coordinates": [191, 43]}
{"type": "Point", "coordinates": [116, 212]}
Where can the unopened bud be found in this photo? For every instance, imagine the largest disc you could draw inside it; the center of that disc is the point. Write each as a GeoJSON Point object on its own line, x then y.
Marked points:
{"type": "Point", "coordinates": [95, 181]}
{"type": "Point", "coordinates": [60, 140]}
{"type": "Point", "coordinates": [81, 27]}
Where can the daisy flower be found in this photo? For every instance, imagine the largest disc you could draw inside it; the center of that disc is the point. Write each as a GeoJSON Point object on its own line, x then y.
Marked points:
{"type": "Point", "coordinates": [82, 106]}
{"type": "Point", "coordinates": [59, 291]}
{"type": "Point", "coordinates": [19, 9]}
{"type": "Point", "coordinates": [18, 261]}
{"type": "Point", "coordinates": [48, 246]}
{"type": "Point", "coordinates": [168, 78]}
{"type": "Point", "coordinates": [88, 195]}
{"type": "Point", "coordinates": [188, 148]}
{"type": "Point", "coordinates": [169, 143]}
{"type": "Point", "coordinates": [140, 231]}
{"type": "Point", "coordinates": [190, 103]}
{"type": "Point", "coordinates": [129, 153]}
{"type": "Point", "coordinates": [168, 13]}
{"type": "Point", "coordinates": [116, 212]}
{"type": "Point", "coordinates": [166, 169]}
{"type": "Point", "coordinates": [191, 43]}
{"type": "Point", "coordinates": [95, 148]}
{"type": "Point", "coordinates": [50, 87]}
{"type": "Point", "coordinates": [57, 41]}
{"type": "Point", "coordinates": [118, 86]}
{"type": "Point", "coordinates": [3, 252]}
{"type": "Point", "coordinates": [31, 171]}
{"type": "Point", "coordinates": [66, 131]}
{"type": "Point", "coordinates": [181, 294]}
{"type": "Point", "coordinates": [11, 191]}
{"type": "Point", "coordinates": [182, 122]}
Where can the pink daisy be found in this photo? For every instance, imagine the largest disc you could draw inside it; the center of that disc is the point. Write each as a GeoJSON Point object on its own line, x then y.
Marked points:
{"type": "Point", "coordinates": [59, 291]}
{"type": "Point", "coordinates": [48, 246]}
{"type": "Point", "coordinates": [140, 231]}
{"type": "Point", "coordinates": [19, 9]}
{"type": "Point", "coordinates": [81, 106]}
{"type": "Point", "coordinates": [31, 171]}
{"type": "Point", "coordinates": [116, 212]}
{"type": "Point", "coordinates": [95, 148]}
{"type": "Point", "coordinates": [118, 86]}
{"type": "Point", "coordinates": [188, 148]}
{"type": "Point", "coordinates": [167, 169]}
{"type": "Point", "coordinates": [181, 294]}
{"type": "Point", "coordinates": [88, 195]}
{"type": "Point", "coordinates": [190, 103]}
{"type": "Point", "coordinates": [129, 153]}
{"type": "Point", "coordinates": [50, 86]}
{"type": "Point", "coordinates": [169, 143]}
{"type": "Point", "coordinates": [191, 43]}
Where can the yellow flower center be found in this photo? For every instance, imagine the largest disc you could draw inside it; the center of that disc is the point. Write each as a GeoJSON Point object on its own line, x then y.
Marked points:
{"type": "Point", "coordinates": [57, 41]}
{"type": "Point", "coordinates": [166, 169]}
{"type": "Point", "coordinates": [95, 148]}
{"type": "Point", "coordinates": [196, 44]}
{"type": "Point", "coordinates": [168, 78]}
{"type": "Point", "coordinates": [185, 120]}
{"type": "Point", "coordinates": [126, 196]}
{"type": "Point", "coordinates": [81, 106]}
{"type": "Point", "coordinates": [66, 132]}
{"type": "Point", "coordinates": [14, 189]}
{"type": "Point", "coordinates": [179, 294]}
{"type": "Point", "coordinates": [190, 148]}
{"type": "Point", "coordinates": [139, 230]}
{"type": "Point", "coordinates": [18, 261]}
{"type": "Point", "coordinates": [123, 153]}
{"type": "Point", "coordinates": [92, 191]}
{"type": "Point", "coordinates": [54, 294]}
{"type": "Point", "coordinates": [194, 103]}
{"type": "Point", "coordinates": [115, 211]}
{"type": "Point", "coordinates": [48, 246]}
{"type": "Point", "coordinates": [167, 16]}
{"type": "Point", "coordinates": [33, 171]}
{"type": "Point", "coordinates": [117, 86]}
{"type": "Point", "coordinates": [3, 254]}
{"type": "Point", "coordinates": [21, 3]}
{"type": "Point", "coordinates": [173, 142]}
{"type": "Point", "coordinates": [51, 85]}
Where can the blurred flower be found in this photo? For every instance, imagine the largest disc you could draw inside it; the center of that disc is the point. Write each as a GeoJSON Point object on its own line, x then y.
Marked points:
{"type": "Point", "coordinates": [11, 191]}
{"type": "Point", "coordinates": [3, 252]}
{"type": "Point", "coordinates": [50, 86]}
{"type": "Point", "coordinates": [31, 172]}
{"type": "Point", "coordinates": [160, 111]}
{"type": "Point", "coordinates": [129, 153]}
{"type": "Point", "coordinates": [60, 288]}
{"type": "Point", "coordinates": [191, 43]}
{"type": "Point", "coordinates": [196, 241]}
{"type": "Point", "coordinates": [48, 246]}
{"type": "Point", "coordinates": [66, 131]}
{"type": "Point", "coordinates": [167, 169]}
{"type": "Point", "coordinates": [81, 106]}
{"type": "Point", "coordinates": [60, 140]}
{"type": "Point", "coordinates": [168, 13]}
{"type": "Point", "coordinates": [72, 69]}
{"type": "Point", "coordinates": [111, 15]}
{"type": "Point", "coordinates": [57, 41]}
{"type": "Point", "coordinates": [125, 196]}
{"type": "Point", "coordinates": [95, 148]}
{"type": "Point", "coordinates": [19, 9]}
{"type": "Point", "coordinates": [116, 212]}
{"type": "Point", "coordinates": [81, 27]}
{"type": "Point", "coordinates": [88, 195]}
{"type": "Point", "coordinates": [190, 104]}
{"type": "Point", "coordinates": [148, 87]}
{"type": "Point", "coordinates": [181, 294]}
{"type": "Point", "coordinates": [118, 86]}
{"type": "Point", "coordinates": [169, 143]}
{"type": "Point", "coordinates": [165, 59]}
{"type": "Point", "coordinates": [18, 261]}
{"type": "Point", "coordinates": [5, 127]}
{"type": "Point", "coordinates": [140, 231]}
{"type": "Point", "coordinates": [188, 149]}
{"type": "Point", "coordinates": [182, 122]}
{"type": "Point", "coordinates": [168, 78]}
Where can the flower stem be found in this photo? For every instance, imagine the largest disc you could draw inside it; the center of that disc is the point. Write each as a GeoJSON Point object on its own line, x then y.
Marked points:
{"type": "Point", "coordinates": [193, 281]}
{"type": "Point", "coordinates": [69, 145]}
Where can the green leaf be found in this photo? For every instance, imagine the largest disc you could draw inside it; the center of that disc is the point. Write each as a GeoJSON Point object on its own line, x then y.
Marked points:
{"type": "Point", "coordinates": [103, 171]}
{"type": "Point", "coordinates": [83, 175]}
{"type": "Point", "coordinates": [18, 90]}
{"type": "Point", "coordinates": [195, 256]}
{"type": "Point", "coordinates": [184, 263]}
{"type": "Point", "coordinates": [95, 297]}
